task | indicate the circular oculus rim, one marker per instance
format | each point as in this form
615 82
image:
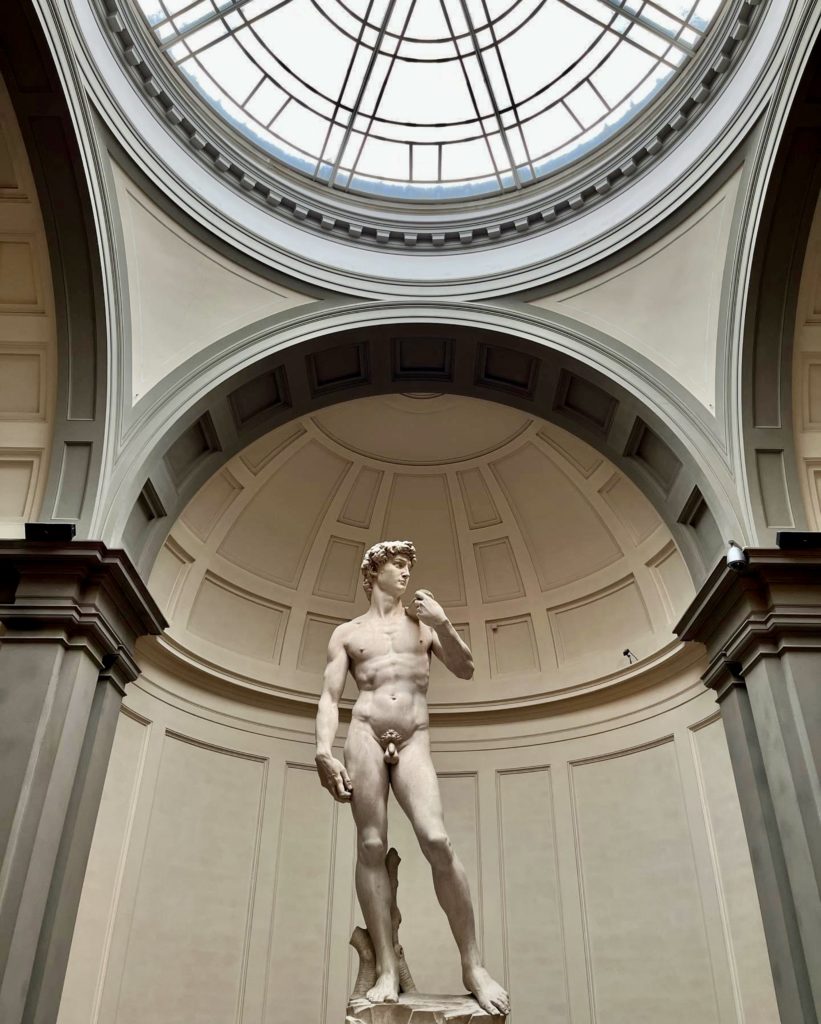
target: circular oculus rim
412 223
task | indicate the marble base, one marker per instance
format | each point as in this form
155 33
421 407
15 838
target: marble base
416 1008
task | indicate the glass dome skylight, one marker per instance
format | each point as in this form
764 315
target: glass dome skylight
428 99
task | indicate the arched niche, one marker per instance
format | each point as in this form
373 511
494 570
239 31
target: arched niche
28 334
588 797
41 98
771 386
602 405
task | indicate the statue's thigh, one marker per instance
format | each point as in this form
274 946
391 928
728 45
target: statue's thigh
416 787
369 778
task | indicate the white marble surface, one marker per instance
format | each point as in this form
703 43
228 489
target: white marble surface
416 1008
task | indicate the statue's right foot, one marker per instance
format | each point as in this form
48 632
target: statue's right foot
489 993
386 989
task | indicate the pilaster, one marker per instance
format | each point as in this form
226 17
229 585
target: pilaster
762 630
71 615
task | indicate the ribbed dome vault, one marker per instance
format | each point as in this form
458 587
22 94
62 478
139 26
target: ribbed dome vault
549 561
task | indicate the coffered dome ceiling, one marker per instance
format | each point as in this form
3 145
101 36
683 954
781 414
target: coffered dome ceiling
548 560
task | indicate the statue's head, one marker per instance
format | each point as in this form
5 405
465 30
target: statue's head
379 555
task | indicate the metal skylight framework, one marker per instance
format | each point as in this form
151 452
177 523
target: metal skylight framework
428 99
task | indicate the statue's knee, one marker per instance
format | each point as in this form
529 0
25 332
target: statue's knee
372 848
437 848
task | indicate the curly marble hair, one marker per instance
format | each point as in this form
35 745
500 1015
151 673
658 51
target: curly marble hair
379 555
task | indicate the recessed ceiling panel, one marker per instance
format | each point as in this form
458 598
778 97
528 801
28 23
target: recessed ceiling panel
421 429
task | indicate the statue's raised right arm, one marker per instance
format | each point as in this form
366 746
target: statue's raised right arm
446 643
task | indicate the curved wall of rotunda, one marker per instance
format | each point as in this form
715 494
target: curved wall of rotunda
548 559
591 800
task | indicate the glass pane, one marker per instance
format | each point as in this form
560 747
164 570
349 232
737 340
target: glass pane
432 99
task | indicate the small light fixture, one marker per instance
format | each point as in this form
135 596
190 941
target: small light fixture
736 557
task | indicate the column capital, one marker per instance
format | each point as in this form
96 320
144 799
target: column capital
771 606
80 593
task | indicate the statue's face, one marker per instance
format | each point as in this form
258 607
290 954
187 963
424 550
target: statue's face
393 576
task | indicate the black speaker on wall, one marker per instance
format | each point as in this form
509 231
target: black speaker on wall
798 540
54 533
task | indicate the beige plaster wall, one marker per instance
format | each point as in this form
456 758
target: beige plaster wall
28 334
664 303
604 847
807 376
183 296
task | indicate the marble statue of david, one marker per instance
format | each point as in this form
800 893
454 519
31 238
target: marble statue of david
387 651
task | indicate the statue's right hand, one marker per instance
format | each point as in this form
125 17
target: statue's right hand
334 777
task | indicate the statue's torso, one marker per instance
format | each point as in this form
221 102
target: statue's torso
390 662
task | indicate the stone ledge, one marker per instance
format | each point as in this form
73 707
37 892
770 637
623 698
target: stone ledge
78 593
769 607
416 1008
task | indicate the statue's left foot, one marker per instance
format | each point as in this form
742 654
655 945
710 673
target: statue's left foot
386 989
489 993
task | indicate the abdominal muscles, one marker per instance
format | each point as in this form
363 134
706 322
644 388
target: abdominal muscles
392 693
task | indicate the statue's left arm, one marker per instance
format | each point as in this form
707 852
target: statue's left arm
446 643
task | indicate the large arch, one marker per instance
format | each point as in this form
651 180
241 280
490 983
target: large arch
356 351
790 168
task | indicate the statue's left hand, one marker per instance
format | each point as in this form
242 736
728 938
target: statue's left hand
427 609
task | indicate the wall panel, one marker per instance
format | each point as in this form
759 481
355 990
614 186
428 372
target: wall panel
646 940
296 988
187 949
531 903
18 474
612 619
100 903
231 617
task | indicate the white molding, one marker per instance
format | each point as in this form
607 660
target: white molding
514 262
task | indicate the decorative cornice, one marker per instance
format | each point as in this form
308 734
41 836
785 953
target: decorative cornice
77 593
448 225
516 261
179 662
772 606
